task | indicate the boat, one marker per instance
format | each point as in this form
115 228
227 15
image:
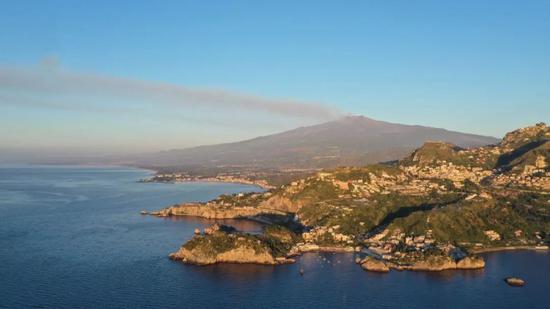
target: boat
514 281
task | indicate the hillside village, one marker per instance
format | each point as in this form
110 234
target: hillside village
428 211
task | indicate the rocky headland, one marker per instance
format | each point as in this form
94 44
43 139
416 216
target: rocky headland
224 244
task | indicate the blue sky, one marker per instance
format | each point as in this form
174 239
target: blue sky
472 66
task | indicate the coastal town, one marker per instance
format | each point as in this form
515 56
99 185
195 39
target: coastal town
183 177
432 210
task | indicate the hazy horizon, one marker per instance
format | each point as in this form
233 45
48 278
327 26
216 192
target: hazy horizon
79 155
106 78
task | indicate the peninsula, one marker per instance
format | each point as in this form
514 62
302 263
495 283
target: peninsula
430 211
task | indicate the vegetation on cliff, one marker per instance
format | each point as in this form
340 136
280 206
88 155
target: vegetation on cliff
225 244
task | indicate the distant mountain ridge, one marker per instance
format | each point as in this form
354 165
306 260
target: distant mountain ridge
351 141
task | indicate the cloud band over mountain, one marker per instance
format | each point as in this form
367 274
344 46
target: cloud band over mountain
63 85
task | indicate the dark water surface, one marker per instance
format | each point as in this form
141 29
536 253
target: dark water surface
73 237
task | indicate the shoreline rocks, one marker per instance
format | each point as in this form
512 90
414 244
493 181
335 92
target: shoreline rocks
432 263
208 212
240 255
372 264
471 262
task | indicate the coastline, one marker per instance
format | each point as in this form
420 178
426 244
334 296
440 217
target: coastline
212 181
511 248
205 180
159 273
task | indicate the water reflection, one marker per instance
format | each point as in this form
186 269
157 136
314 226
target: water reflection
451 275
244 225
234 272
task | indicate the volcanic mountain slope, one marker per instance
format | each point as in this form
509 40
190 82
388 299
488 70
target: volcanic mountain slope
350 141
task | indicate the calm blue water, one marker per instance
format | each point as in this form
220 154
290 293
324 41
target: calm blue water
73 237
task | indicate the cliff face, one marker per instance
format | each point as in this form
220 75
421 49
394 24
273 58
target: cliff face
470 262
209 212
277 205
432 263
439 263
240 254
375 265
435 263
282 204
524 136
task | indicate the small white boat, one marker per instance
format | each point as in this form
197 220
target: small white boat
513 281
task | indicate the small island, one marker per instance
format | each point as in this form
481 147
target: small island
224 244
433 210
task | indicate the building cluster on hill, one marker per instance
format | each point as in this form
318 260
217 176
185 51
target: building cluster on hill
244 178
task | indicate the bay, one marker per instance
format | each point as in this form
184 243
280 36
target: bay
72 237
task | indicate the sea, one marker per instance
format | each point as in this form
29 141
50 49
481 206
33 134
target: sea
73 237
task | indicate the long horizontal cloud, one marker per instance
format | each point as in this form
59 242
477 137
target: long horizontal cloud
66 83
